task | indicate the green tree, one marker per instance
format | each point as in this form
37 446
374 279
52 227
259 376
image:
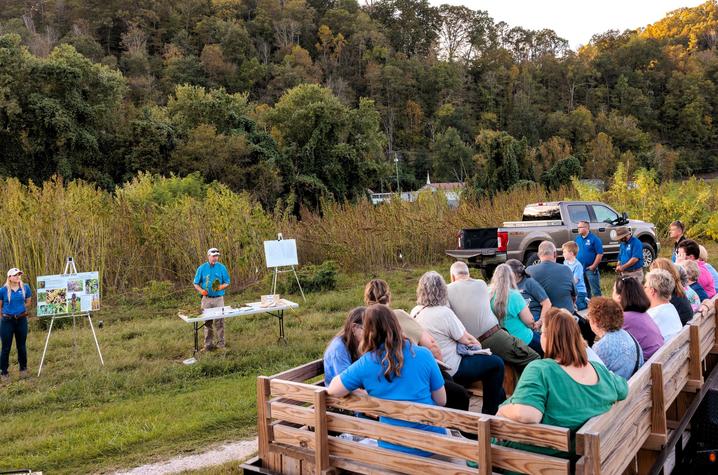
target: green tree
562 173
54 113
451 157
331 150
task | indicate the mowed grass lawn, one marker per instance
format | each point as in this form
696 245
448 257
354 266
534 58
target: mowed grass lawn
145 405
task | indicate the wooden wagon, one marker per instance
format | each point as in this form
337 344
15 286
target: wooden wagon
302 430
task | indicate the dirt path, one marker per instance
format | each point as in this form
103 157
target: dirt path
217 456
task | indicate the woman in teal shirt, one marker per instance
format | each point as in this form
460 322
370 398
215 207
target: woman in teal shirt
511 309
564 389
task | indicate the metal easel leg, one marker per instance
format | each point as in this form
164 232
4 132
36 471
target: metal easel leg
47 340
274 281
97 344
298 284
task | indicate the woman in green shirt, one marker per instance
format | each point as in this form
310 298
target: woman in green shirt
564 389
511 309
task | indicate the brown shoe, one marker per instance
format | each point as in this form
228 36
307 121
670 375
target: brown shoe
23 374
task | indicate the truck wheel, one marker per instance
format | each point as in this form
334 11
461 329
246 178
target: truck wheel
649 254
531 259
488 271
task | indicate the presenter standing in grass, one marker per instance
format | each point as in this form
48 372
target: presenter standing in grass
210 280
15 298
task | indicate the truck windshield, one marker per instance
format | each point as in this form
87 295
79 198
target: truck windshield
541 213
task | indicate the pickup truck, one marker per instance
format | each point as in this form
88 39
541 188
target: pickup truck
557 222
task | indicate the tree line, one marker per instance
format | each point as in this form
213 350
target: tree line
301 100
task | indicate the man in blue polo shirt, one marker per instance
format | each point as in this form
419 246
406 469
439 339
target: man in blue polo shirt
590 254
630 254
210 280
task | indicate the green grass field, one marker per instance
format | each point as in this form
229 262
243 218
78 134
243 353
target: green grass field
145 405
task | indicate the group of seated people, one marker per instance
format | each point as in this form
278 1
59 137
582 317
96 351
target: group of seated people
571 368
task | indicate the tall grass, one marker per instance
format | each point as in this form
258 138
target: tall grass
150 229
363 236
158 229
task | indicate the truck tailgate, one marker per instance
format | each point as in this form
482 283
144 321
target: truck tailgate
469 253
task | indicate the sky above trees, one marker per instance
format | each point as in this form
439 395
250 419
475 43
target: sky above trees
575 20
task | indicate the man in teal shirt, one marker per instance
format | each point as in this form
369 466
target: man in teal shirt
210 280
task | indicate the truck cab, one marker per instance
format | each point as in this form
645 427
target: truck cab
557 222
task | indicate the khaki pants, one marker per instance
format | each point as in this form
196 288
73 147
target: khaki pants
211 325
510 349
634 274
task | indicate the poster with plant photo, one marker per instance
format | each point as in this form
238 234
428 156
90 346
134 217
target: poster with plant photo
68 294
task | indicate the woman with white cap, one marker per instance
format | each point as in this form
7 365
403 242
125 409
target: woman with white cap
15 298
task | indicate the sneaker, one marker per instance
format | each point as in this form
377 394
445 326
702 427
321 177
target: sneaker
23 374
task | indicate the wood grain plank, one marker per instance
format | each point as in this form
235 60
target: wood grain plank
534 434
321 434
484 441
262 417
301 373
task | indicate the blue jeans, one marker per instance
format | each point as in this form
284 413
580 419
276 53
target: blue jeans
535 344
581 303
10 327
489 369
593 282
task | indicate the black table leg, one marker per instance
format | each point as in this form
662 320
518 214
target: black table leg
280 317
196 338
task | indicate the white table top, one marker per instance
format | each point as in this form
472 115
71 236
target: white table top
250 309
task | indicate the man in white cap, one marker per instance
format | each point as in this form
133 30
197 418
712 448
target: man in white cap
210 280
630 254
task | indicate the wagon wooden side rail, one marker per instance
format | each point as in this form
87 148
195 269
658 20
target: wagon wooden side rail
633 434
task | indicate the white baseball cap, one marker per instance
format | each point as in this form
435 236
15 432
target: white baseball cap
213 251
14 271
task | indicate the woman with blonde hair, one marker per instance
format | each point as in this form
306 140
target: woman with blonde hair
679 298
564 389
511 309
434 315
15 298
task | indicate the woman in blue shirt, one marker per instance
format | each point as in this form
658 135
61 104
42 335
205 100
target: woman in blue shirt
15 298
343 350
392 368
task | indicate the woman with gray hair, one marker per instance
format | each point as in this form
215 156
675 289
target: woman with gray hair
435 316
659 288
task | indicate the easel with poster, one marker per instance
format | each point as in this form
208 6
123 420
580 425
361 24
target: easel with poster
70 294
280 254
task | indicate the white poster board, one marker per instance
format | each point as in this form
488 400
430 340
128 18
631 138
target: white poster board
65 294
281 253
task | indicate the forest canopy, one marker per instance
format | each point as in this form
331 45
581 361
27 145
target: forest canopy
319 99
